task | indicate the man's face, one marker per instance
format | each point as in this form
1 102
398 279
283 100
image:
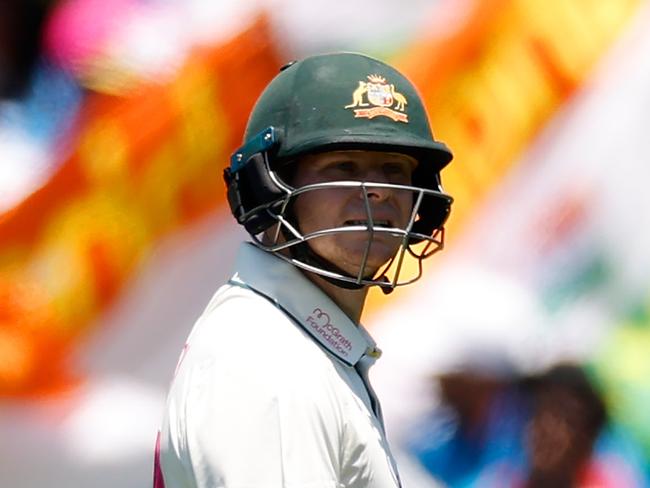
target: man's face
339 207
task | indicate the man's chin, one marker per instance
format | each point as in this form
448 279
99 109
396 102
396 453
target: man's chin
376 260
348 254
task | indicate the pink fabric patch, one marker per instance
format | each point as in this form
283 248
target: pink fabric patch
78 30
158 480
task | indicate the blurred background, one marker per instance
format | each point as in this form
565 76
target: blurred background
522 356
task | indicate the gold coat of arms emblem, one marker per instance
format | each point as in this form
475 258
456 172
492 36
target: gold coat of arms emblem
380 97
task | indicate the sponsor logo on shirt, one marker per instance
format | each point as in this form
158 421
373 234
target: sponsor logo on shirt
321 323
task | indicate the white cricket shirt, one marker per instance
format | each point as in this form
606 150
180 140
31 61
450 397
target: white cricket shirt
268 391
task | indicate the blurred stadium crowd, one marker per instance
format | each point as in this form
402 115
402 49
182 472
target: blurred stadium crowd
495 428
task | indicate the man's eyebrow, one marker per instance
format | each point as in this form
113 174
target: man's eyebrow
412 163
341 159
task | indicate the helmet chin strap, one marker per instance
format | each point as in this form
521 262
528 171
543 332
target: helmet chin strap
303 252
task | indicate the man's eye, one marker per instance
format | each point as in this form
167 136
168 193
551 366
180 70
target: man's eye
394 168
345 167
397 170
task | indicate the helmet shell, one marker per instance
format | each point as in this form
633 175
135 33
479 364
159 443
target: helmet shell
346 101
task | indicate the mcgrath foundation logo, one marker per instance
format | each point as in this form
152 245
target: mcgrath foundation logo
380 97
321 323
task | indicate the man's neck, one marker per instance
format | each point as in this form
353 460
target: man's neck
350 301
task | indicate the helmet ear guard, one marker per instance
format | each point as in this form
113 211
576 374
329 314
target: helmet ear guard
432 212
251 187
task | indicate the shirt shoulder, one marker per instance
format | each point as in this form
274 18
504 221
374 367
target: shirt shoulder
254 381
239 325
245 342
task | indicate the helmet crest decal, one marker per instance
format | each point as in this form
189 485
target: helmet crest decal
381 98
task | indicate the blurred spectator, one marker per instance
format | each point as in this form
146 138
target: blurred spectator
568 441
567 417
547 430
474 437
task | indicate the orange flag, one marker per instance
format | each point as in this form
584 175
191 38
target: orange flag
143 165
493 79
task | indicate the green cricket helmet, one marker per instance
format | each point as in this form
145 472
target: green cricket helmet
335 102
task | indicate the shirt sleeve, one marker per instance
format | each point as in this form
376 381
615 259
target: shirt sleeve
251 414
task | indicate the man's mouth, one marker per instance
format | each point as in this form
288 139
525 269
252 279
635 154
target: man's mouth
366 223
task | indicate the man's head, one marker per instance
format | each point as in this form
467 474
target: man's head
567 418
340 169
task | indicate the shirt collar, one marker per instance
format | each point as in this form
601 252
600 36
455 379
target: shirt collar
290 290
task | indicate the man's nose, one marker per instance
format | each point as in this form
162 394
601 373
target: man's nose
374 192
377 193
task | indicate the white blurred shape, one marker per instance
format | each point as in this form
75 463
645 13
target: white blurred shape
489 290
215 20
151 42
19 180
114 420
